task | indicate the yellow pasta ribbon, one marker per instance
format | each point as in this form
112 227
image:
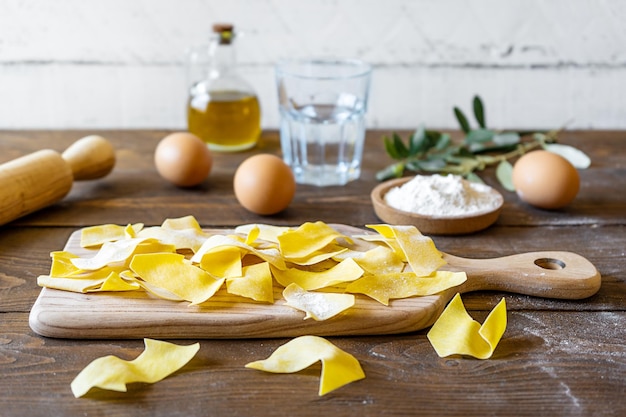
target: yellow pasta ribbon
94 236
62 265
222 262
347 270
157 361
182 223
171 272
271 255
456 333
307 239
338 367
179 238
153 246
316 257
110 282
382 288
256 283
264 232
130 276
379 260
418 250
109 253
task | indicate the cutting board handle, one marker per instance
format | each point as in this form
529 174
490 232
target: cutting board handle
564 275
90 157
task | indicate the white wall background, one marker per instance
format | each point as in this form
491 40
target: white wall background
120 63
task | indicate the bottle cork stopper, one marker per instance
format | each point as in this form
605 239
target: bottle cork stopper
225 31
223 27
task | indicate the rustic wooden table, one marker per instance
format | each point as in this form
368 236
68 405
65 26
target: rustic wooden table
556 358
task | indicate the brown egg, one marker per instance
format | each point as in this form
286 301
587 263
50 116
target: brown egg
183 159
545 180
264 184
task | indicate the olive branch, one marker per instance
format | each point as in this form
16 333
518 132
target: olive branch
434 151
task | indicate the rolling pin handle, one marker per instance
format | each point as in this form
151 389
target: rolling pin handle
90 157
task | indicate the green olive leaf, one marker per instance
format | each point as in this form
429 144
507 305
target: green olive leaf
575 156
399 146
390 148
479 112
506 139
463 151
460 117
414 165
479 148
479 136
418 142
432 165
504 173
442 142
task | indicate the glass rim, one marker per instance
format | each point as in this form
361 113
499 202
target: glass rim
287 67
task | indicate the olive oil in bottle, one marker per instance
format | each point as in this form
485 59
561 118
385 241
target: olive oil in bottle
223 109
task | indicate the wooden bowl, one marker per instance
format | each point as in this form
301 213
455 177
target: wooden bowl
433 225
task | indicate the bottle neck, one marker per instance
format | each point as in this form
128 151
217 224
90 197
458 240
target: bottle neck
223 59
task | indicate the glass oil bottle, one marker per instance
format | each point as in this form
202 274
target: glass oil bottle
222 108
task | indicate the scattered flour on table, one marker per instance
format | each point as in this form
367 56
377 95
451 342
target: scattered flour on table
440 195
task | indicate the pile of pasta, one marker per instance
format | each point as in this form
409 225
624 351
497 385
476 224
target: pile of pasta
318 268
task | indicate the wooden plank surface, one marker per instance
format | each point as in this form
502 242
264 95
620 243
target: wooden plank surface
134 192
557 357
563 364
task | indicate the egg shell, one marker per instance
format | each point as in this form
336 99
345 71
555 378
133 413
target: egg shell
545 180
264 184
183 159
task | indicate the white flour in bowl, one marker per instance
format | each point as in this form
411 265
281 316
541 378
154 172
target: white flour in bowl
439 195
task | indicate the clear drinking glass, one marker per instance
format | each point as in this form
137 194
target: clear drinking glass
322 104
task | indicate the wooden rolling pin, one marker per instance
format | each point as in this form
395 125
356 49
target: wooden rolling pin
37 180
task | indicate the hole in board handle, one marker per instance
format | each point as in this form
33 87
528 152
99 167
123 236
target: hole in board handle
550 263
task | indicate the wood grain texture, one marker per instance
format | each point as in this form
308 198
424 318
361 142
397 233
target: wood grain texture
547 364
557 357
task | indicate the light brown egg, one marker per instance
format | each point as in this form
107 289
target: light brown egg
183 159
264 184
545 180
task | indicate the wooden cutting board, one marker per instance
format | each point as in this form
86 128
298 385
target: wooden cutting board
137 314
